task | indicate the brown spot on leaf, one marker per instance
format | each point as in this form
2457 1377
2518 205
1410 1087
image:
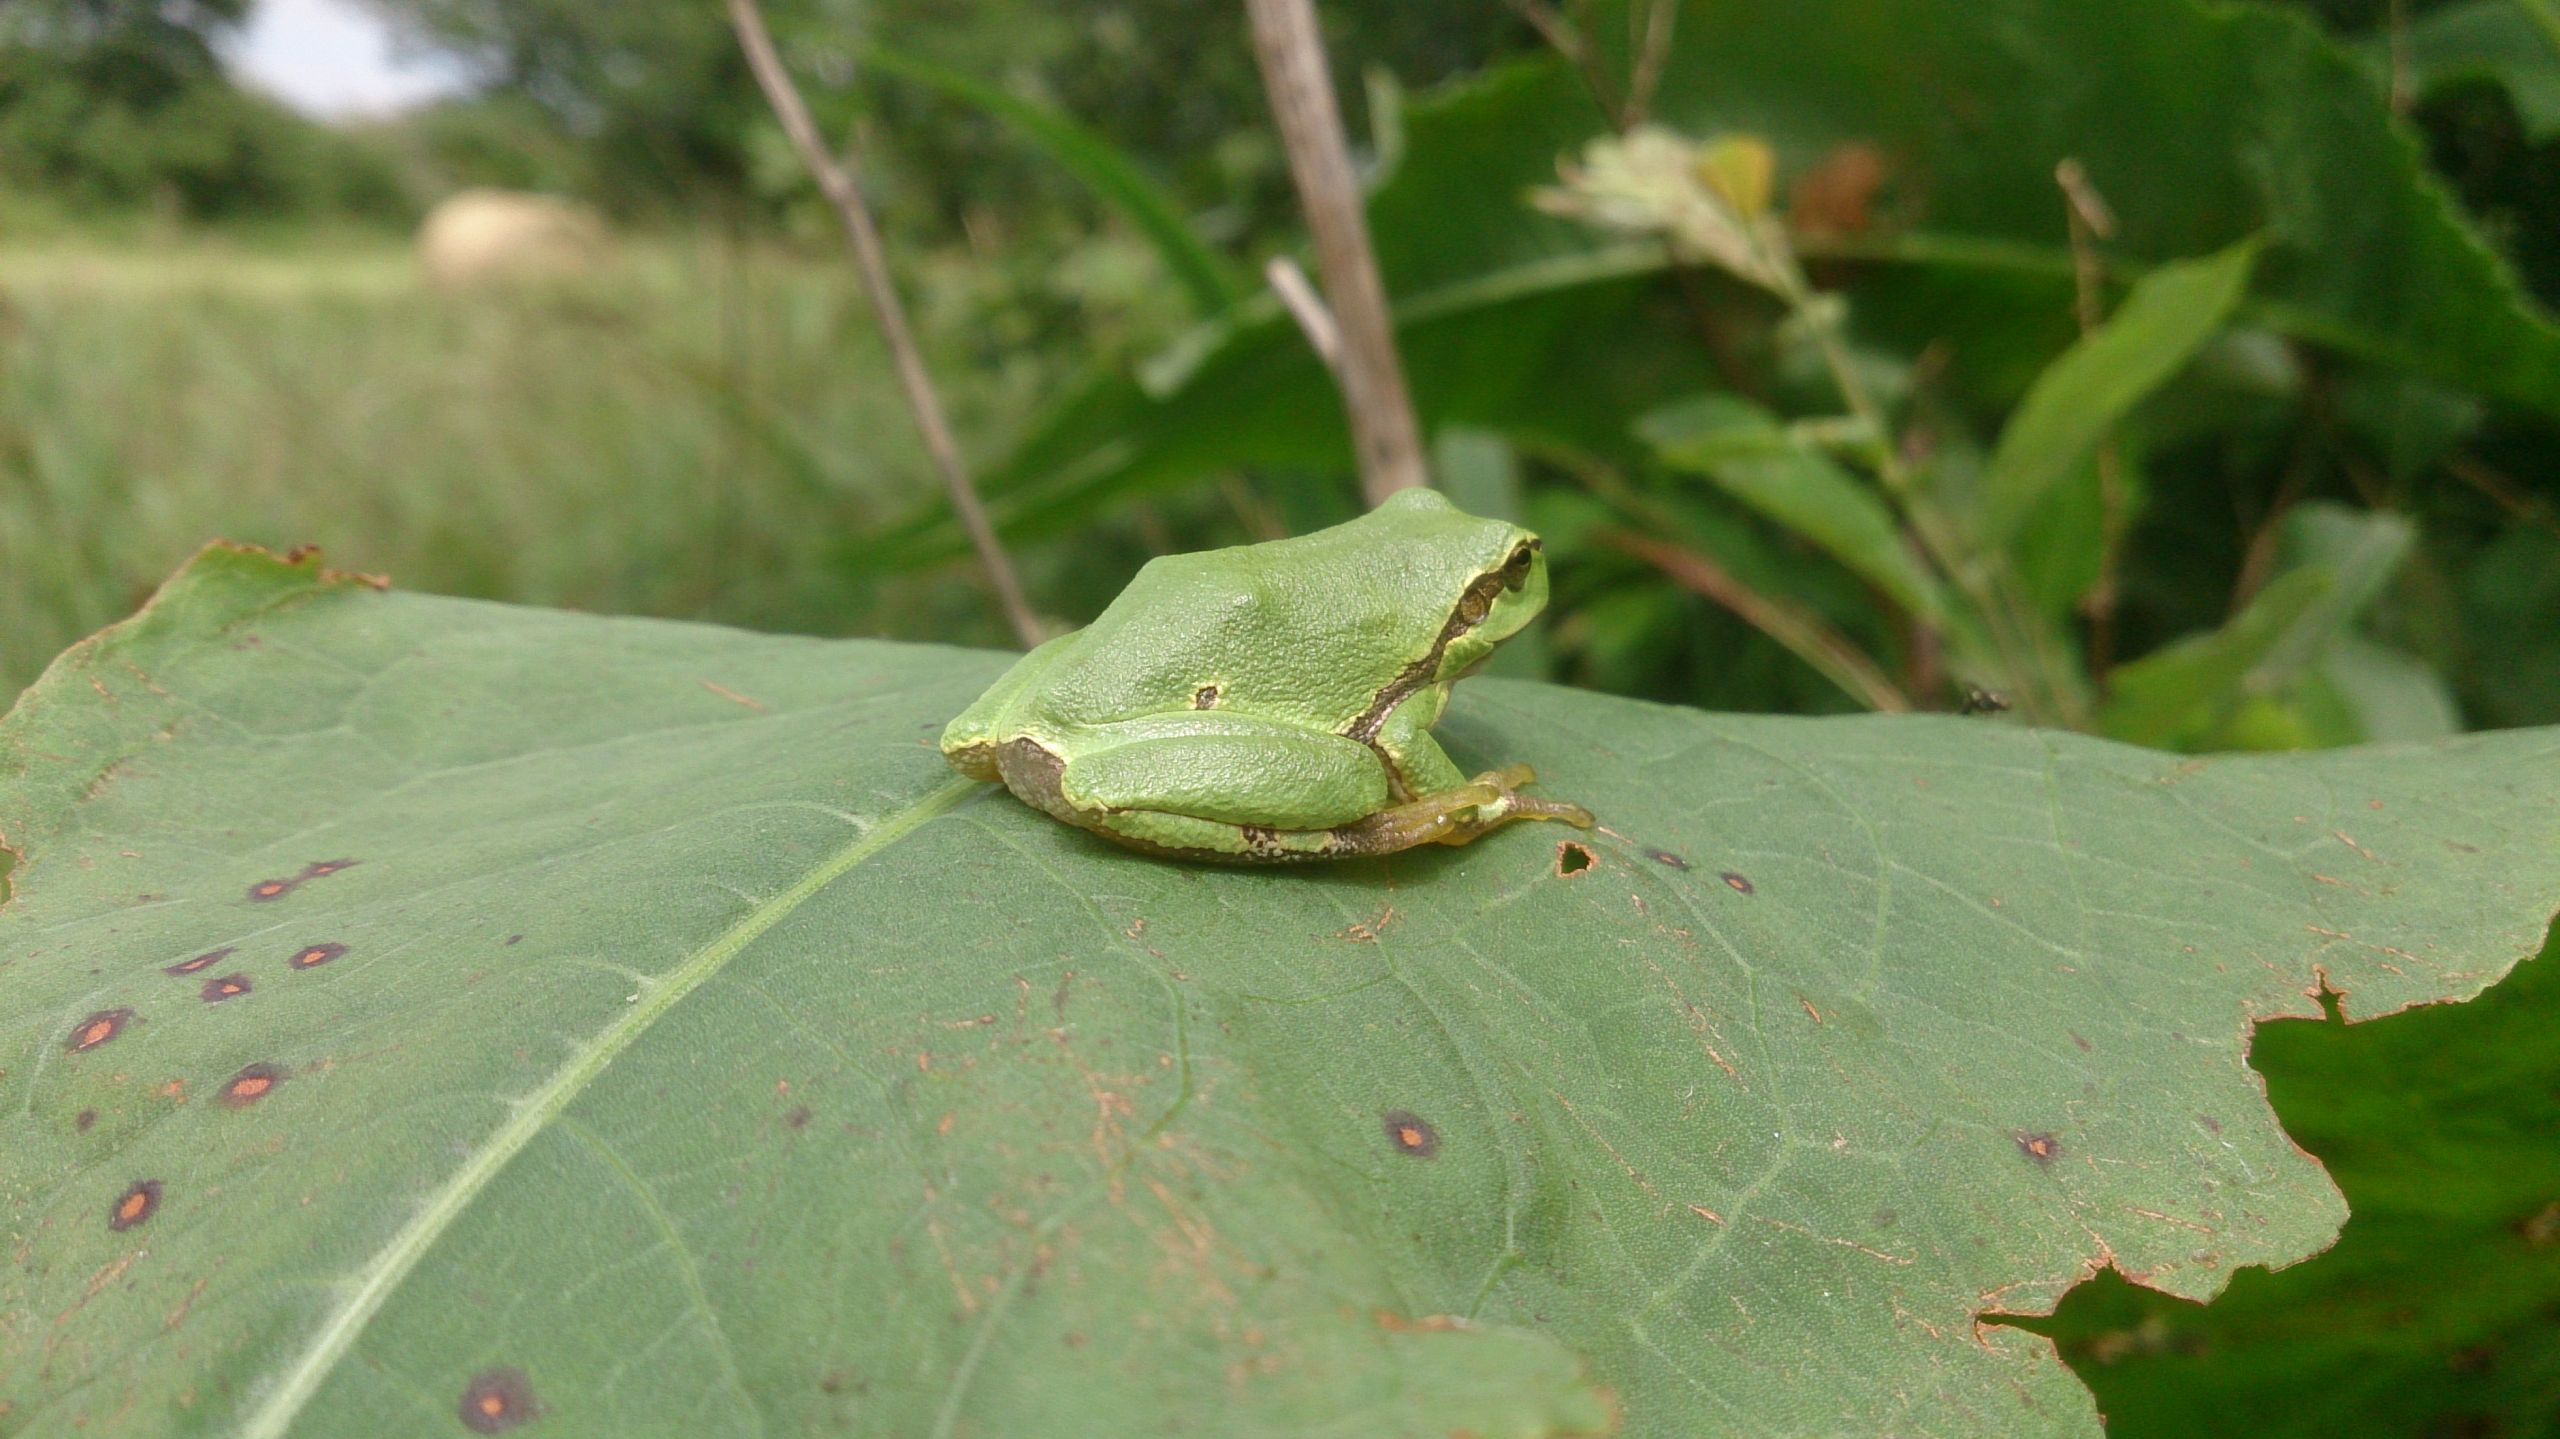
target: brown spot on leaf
498 1400
515 939
1664 856
1411 1133
2078 1040
2042 1148
267 889
136 1204
251 1085
229 986
798 1118
314 956
1572 859
1737 882
98 1028
202 961
84 1119
1205 697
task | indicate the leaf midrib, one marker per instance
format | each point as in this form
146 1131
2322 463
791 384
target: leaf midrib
382 1274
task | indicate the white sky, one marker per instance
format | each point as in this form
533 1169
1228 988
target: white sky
333 58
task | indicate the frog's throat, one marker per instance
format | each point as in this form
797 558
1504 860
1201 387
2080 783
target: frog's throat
1364 727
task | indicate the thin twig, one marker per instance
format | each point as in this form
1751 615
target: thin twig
2090 221
1559 32
1653 52
836 180
2515 499
2396 32
1290 48
1802 632
1298 296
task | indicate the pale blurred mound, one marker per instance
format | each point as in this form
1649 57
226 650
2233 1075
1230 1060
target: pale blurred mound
478 239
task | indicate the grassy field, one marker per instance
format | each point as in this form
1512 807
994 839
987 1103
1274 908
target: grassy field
700 430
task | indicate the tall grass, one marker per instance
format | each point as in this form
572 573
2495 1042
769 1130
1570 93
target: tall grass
701 430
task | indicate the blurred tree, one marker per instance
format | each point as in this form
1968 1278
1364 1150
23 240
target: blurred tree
659 93
656 93
107 103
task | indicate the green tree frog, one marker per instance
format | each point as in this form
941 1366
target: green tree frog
1273 702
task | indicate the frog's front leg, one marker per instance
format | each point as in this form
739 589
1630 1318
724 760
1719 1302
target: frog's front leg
1437 803
1416 765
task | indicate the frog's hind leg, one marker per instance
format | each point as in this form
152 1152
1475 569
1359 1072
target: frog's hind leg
1223 788
1456 816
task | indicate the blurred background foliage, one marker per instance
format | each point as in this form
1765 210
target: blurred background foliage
2179 371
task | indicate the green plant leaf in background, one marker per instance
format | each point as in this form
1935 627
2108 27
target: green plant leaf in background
2096 383
1783 476
1101 166
426 1016
2202 125
2290 669
2493 38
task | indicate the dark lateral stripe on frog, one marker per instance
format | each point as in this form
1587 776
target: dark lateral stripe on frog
1422 671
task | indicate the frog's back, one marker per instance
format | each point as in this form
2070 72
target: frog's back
1306 628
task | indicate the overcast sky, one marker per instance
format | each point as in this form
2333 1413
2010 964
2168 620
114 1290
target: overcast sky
333 58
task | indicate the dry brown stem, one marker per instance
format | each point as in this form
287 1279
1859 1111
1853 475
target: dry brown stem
837 182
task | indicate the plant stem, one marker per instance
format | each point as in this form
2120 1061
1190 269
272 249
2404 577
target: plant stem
870 257
2090 220
1298 296
1290 48
1568 41
1798 629
1652 53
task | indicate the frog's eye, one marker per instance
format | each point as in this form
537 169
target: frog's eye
1521 557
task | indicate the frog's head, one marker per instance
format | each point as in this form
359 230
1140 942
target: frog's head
1491 573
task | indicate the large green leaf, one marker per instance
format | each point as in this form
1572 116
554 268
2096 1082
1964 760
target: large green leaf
2201 124
2438 1127
422 1014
